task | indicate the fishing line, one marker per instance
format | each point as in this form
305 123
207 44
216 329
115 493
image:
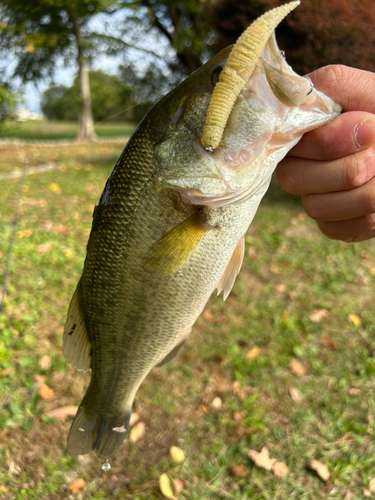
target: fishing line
131 107
15 220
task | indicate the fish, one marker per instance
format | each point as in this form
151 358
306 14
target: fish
170 227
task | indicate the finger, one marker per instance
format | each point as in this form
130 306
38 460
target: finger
341 205
353 89
347 134
348 230
363 237
301 176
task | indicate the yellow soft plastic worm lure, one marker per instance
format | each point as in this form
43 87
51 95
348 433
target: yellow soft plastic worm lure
237 71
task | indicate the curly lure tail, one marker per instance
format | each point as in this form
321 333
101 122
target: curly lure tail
237 71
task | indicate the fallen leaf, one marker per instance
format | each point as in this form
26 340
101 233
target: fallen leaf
176 454
178 485
77 485
320 468
239 471
24 234
280 469
137 432
353 391
318 315
372 485
354 319
252 353
372 271
44 247
280 288
216 403
46 392
133 419
45 362
239 415
297 368
203 409
165 486
62 412
296 394
207 315
328 341
262 459
55 188
367 493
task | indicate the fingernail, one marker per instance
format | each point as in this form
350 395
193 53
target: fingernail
364 133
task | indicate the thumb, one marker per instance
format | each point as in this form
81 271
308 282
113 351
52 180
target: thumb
353 89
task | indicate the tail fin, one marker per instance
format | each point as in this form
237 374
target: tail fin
96 431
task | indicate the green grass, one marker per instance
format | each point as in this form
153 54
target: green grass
289 271
53 130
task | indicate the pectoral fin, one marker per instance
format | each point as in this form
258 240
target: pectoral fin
170 253
76 343
233 268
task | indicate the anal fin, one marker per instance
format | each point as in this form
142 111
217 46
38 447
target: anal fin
76 342
233 268
170 253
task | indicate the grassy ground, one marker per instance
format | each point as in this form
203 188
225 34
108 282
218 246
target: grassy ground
47 130
324 410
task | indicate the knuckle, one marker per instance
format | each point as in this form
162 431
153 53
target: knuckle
358 168
310 206
369 199
331 75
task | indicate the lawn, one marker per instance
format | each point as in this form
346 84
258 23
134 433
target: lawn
54 130
287 362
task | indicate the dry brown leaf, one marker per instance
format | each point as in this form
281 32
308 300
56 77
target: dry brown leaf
165 486
133 419
239 415
176 454
297 367
137 432
45 362
44 247
203 409
354 319
216 403
296 394
77 485
262 459
239 471
280 469
372 485
46 392
280 288
353 391
328 341
320 468
62 412
252 353
207 315
318 315
367 493
178 485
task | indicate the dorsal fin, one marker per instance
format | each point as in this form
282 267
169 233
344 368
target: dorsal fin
233 268
76 342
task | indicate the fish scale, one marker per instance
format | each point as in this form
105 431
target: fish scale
169 229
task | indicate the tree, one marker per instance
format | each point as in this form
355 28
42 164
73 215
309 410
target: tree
8 101
109 97
314 35
41 31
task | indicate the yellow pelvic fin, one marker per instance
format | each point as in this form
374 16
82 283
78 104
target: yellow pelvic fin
233 268
170 253
76 342
237 70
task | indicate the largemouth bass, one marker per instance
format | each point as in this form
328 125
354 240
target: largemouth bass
169 228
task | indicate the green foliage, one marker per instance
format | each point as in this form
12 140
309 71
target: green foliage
8 101
109 96
40 31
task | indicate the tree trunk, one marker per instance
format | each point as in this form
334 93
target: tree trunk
85 119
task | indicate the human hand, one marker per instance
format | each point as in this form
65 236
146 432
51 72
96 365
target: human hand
333 167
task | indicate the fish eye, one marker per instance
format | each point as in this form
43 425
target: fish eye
215 75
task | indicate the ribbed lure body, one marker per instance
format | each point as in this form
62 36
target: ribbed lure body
237 71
